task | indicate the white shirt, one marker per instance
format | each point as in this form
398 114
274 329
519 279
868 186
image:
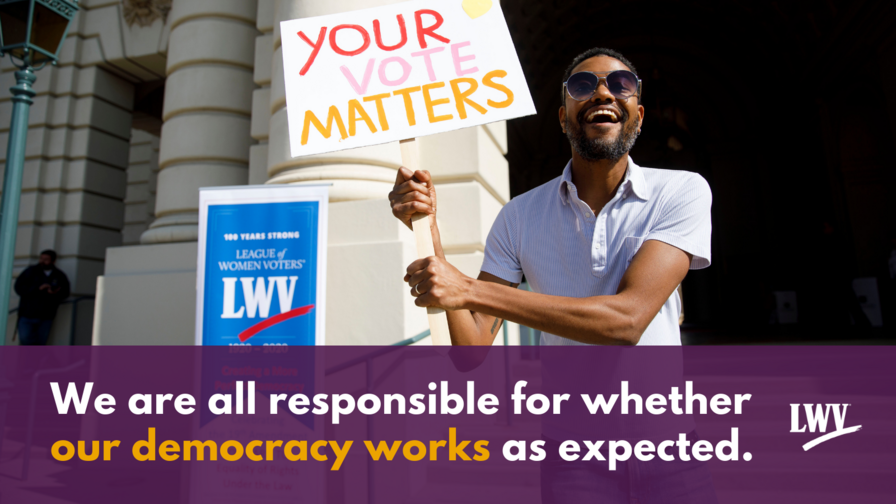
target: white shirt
554 238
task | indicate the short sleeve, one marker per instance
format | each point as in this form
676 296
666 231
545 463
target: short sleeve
685 220
501 257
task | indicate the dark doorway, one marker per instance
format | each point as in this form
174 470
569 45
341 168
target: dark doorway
149 101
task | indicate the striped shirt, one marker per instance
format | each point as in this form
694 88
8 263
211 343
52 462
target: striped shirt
554 238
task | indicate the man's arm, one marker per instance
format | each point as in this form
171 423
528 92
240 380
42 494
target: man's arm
619 319
469 327
413 193
64 288
476 308
25 284
19 286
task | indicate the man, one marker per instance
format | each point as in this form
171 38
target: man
603 246
41 289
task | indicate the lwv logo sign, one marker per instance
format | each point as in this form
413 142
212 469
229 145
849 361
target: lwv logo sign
816 418
257 296
257 299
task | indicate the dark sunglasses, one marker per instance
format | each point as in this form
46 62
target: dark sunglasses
621 83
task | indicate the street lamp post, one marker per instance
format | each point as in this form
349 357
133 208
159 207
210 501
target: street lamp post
31 32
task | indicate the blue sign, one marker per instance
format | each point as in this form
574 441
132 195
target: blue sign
260 266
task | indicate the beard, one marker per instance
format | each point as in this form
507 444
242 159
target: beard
597 149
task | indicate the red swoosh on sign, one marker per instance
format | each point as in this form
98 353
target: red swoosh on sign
276 319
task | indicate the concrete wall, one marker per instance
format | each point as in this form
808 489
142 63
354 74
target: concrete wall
148 292
74 179
148 296
77 155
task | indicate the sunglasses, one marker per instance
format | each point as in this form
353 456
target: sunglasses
621 83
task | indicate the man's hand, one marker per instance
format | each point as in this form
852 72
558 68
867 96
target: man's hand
413 193
45 287
435 282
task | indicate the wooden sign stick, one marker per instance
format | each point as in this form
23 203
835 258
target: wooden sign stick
438 319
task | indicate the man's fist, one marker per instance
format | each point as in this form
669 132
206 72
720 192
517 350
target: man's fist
435 282
413 193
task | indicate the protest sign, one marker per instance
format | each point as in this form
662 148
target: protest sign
261 276
397 72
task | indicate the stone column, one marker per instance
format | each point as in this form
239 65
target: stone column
208 104
205 142
261 97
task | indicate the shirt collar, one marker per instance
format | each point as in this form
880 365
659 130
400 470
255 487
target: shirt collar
634 177
566 183
633 180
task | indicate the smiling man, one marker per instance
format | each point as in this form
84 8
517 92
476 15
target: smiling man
603 246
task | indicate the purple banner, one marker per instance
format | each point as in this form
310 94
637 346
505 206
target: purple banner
412 424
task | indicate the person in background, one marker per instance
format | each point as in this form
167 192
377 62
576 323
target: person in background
41 289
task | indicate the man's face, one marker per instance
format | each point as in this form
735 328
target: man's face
45 260
597 136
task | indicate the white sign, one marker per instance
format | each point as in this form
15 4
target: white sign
399 71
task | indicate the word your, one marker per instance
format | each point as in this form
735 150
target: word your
817 421
463 98
360 31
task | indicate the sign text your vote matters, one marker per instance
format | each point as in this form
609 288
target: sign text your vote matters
464 93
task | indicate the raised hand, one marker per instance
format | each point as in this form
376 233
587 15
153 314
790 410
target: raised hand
413 193
435 282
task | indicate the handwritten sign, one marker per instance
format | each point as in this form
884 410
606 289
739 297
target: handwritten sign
399 71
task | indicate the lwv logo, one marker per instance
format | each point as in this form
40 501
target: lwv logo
258 298
817 416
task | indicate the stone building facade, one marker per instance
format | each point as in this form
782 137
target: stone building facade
113 170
